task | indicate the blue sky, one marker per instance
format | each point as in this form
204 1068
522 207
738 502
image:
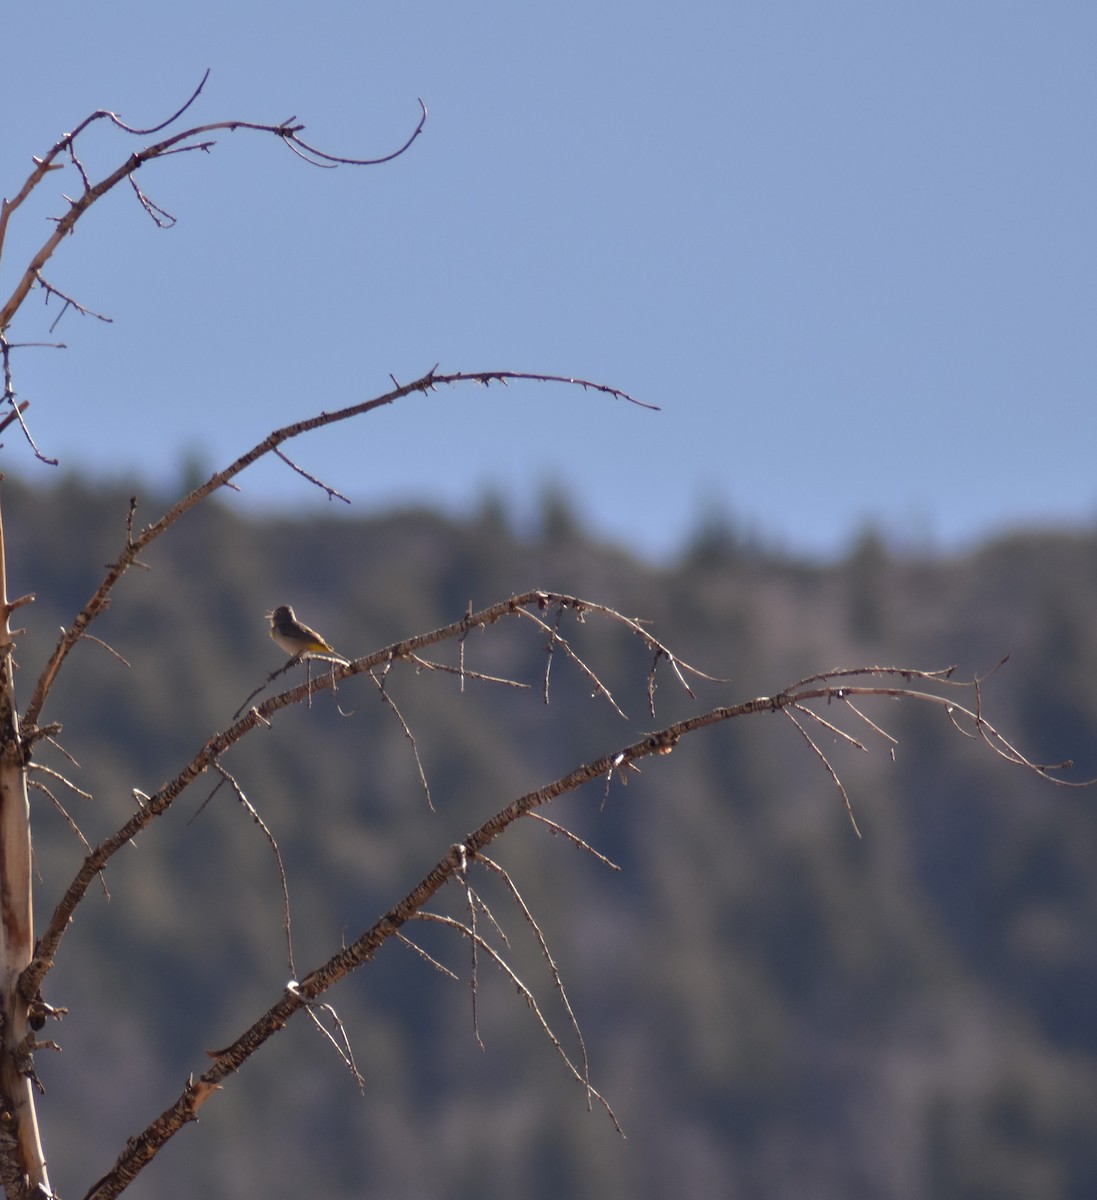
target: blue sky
848 248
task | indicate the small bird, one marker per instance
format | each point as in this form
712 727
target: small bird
294 637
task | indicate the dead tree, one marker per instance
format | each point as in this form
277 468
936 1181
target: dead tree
27 959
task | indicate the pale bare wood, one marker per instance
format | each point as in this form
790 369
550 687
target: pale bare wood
22 1162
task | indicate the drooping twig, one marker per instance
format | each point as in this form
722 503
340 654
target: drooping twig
550 647
17 408
395 708
62 779
160 217
427 664
841 733
558 982
39 786
90 637
332 493
531 1003
69 302
402 937
340 1043
871 724
461 647
475 940
574 838
826 763
294 142
555 639
287 923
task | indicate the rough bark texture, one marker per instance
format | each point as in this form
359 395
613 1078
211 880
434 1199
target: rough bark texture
22 1165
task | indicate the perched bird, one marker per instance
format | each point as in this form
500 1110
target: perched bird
294 637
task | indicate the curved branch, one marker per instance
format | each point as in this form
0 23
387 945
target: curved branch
288 132
141 1149
134 545
260 717
337 160
117 120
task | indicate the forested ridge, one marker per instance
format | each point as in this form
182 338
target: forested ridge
772 1006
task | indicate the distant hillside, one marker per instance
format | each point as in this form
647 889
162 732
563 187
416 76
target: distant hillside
774 1008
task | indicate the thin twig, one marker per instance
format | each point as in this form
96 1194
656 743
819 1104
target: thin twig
69 302
427 664
37 766
160 217
90 637
531 1003
117 120
292 140
387 698
332 493
830 770
341 1044
287 924
550 647
38 785
870 723
475 941
542 943
555 639
461 647
832 727
424 955
574 838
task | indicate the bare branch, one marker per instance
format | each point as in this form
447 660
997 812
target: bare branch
826 763
186 140
96 604
871 724
659 743
14 416
531 1002
550 648
293 141
558 982
90 637
142 1148
39 786
160 217
163 124
18 409
424 955
474 941
341 1043
37 766
427 665
556 640
42 168
381 688
287 923
832 727
574 838
332 493
50 290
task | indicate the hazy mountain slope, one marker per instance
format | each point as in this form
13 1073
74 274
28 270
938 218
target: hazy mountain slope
773 1007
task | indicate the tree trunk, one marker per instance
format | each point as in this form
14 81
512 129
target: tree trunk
22 1165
